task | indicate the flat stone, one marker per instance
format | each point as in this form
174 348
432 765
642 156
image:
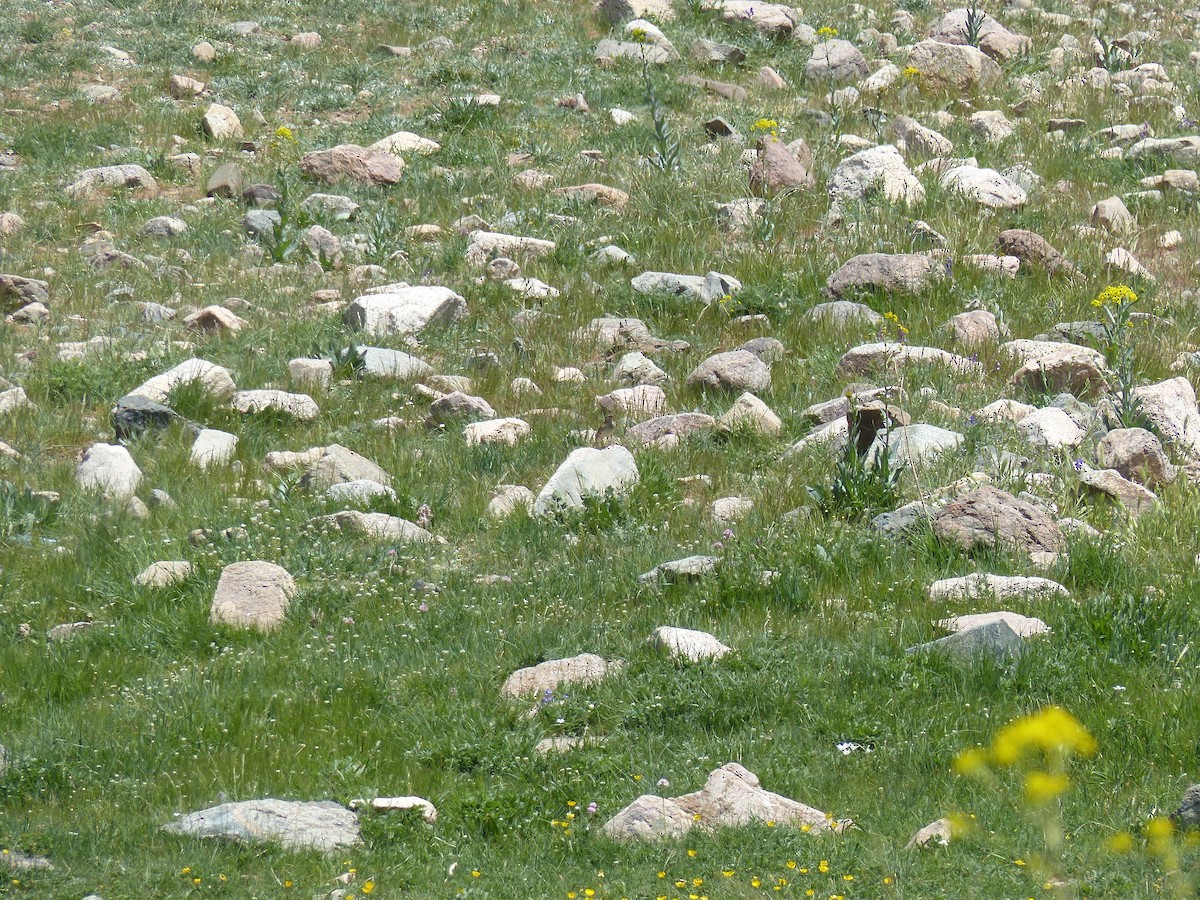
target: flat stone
335 464
1024 626
987 517
690 568
893 357
324 826
685 643
995 639
301 407
1137 455
668 430
902 273
1002 588
947 67
508 499
164 574
354 163
1050 429
214 381
130 177
505 431
1134 497
221 123
376 526
587 472
935 834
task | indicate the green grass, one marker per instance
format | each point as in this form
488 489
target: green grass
378 684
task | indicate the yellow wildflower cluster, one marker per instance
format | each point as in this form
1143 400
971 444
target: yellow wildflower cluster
638 35
1115 295
827 32
1052 733
911 72
284 133
766 125
895 320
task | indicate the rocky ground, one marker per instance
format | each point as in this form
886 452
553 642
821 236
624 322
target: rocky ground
643 449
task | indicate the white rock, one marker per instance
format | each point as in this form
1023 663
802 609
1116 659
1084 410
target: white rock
400 309
685 643
215 382
985 186
110 470
213 448
1024 626
587 472
506 431
1050 429
163 574
301 407
979 585
252 594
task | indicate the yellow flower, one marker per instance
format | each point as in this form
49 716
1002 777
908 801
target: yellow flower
1018 862
827 32
791 864
765 125
662 874
1052 730
823 866
571 895
911 72
971 762
728 873
1115 295
887 879
589 892
680 883
475 873
285 133
1121 842
755 882
287 884
368 886
187 870
639 35
847 877
1042 787
692 853
696 882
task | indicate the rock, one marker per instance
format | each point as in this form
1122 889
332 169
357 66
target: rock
134 415
213 448
181 87
14 399
295 825
457 406
995 587
314 374
394 804
486 245
710 288
877 168
947 67
164 574
108 469
383 363
307 40
690 568
301 407
751 413
738 370
920 140
666 431
377 526
507 431
995 639
215 318
1188 813
204 52
336 464
1033 250
1182 150
835 61
1137 455
125 176
976 328
986 187
1129 494
887 272
892 357
333 207
710 53
600 194
1170 409
993 38
1050 429
587 668
253 594
1004 410
210 379
730 509
616 11
843 314
350 161
731 797
1024 626
608 51
912 445
732 92
226 181
637 368
934 834
639 403
991 125
684 643
988 517
16 291
776 169
164 227
406 142
1053 367
611 333
1114 216
770 19
400 309
587 472
221 123
508 499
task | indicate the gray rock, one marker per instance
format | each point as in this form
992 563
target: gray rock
360 490
125 176
876 168
637 368
914 445
587 472
164 227
992 38
893 357
842 314
1053 366
668 428
457 406
354 163
295 825
1134 497
1033 250
221 123
214 381
400 309
331 206
301 407
225 182
1171 410
835 61
996 640
934 834
946 67
1024 626
979 585
376 526
213 448
986 187
708 52
134 415
690 568
261 222
920 140
252 594
736 370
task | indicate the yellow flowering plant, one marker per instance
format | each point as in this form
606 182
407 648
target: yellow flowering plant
1116 303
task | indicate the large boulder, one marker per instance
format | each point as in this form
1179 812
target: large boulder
994 39
881 168
1184 151
1137 455
987 517
1170 408
587 668
987 187
294 825
210 379
587 472
949 67
736 370
836 61
128 176
1055 367
17 291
